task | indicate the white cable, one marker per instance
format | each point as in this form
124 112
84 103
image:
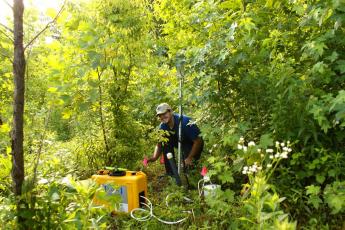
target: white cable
200 190
204 180
167 198
150 207
150 213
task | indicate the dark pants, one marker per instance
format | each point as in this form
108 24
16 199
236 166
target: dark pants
168 147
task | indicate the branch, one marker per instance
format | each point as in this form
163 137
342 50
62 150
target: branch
43 134
6 56
47 26
7 28
7 36
8 4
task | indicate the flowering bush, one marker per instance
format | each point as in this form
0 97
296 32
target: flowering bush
268 158
261 206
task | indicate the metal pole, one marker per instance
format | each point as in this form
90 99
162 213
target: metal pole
180 162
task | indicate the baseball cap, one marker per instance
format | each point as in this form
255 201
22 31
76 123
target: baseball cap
162 108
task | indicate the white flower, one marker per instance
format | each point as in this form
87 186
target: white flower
66 181
241 139
245 148
277 155
284 155
288 142
271 156
55 196
259 150
252 143
48 142
282 144
259 168
286 149
233 25
210 150
244 172
215 145
269 150
262 155
245 168
42 181
239 146
269 166
289 150
277 143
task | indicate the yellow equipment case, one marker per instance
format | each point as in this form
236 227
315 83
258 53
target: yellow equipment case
130 185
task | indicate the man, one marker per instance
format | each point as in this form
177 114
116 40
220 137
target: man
192 143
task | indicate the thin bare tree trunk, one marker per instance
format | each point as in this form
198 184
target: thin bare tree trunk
17 136
101 110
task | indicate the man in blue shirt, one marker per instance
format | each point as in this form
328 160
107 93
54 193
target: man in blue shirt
192 143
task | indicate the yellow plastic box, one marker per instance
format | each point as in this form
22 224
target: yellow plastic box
130 185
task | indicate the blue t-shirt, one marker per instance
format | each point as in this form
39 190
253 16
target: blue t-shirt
190 132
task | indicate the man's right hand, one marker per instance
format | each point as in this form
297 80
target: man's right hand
150 159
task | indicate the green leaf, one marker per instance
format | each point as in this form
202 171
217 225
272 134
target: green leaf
66 98
335 196
67 114
313 190
51 12
229 195
5 128
52 89
341 66
334 56
319 67
315 201
266 140
226 177
335 202
320 178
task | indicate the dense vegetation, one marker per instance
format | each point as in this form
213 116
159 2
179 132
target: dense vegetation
264 80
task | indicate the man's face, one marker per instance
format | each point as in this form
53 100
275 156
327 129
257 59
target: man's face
165 117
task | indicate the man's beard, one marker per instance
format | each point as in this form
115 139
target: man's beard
165 121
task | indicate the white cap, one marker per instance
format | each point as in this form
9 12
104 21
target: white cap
162 108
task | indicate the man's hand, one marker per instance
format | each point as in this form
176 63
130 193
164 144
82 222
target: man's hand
145 161
188 161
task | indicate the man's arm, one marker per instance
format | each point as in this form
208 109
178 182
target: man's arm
197 144
156 153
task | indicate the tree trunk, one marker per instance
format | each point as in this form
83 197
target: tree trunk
101 110
17 136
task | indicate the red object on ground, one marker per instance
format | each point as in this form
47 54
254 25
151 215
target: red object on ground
203 171
162 159
145 162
